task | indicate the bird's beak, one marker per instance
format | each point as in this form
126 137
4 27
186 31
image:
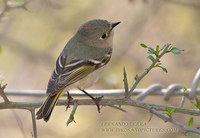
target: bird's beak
115 24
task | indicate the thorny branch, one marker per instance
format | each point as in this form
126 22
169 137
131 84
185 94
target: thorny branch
173 121
104 102
153 108
139 78
9 105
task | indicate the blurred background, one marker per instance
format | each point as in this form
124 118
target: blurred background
32 37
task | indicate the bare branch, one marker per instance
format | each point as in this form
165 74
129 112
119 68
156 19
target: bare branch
104 102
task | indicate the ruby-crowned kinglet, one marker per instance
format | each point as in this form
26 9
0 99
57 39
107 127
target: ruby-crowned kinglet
80 63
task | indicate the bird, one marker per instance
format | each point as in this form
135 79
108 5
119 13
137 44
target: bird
81 62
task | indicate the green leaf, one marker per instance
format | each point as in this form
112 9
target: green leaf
151 58
172 111
185 90
157 48
163 47
158 64
176 50
164 69
168 110
143 45
150 50
190 122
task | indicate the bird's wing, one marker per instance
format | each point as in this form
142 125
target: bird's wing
67 74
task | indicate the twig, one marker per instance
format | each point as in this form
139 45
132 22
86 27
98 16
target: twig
71 117
108 102
3 94
182 100
33 122
169 119
125 83
147 70
7 102
104 102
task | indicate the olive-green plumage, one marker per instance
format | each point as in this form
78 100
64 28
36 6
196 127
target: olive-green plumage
80 63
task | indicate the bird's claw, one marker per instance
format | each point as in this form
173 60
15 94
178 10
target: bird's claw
69 98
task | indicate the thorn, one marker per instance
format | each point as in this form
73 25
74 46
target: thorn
151 115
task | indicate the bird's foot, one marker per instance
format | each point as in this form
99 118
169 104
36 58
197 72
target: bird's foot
69 98
96 99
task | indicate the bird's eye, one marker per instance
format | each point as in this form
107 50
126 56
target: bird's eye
103 36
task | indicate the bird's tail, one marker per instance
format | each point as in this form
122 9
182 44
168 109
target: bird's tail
48 106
